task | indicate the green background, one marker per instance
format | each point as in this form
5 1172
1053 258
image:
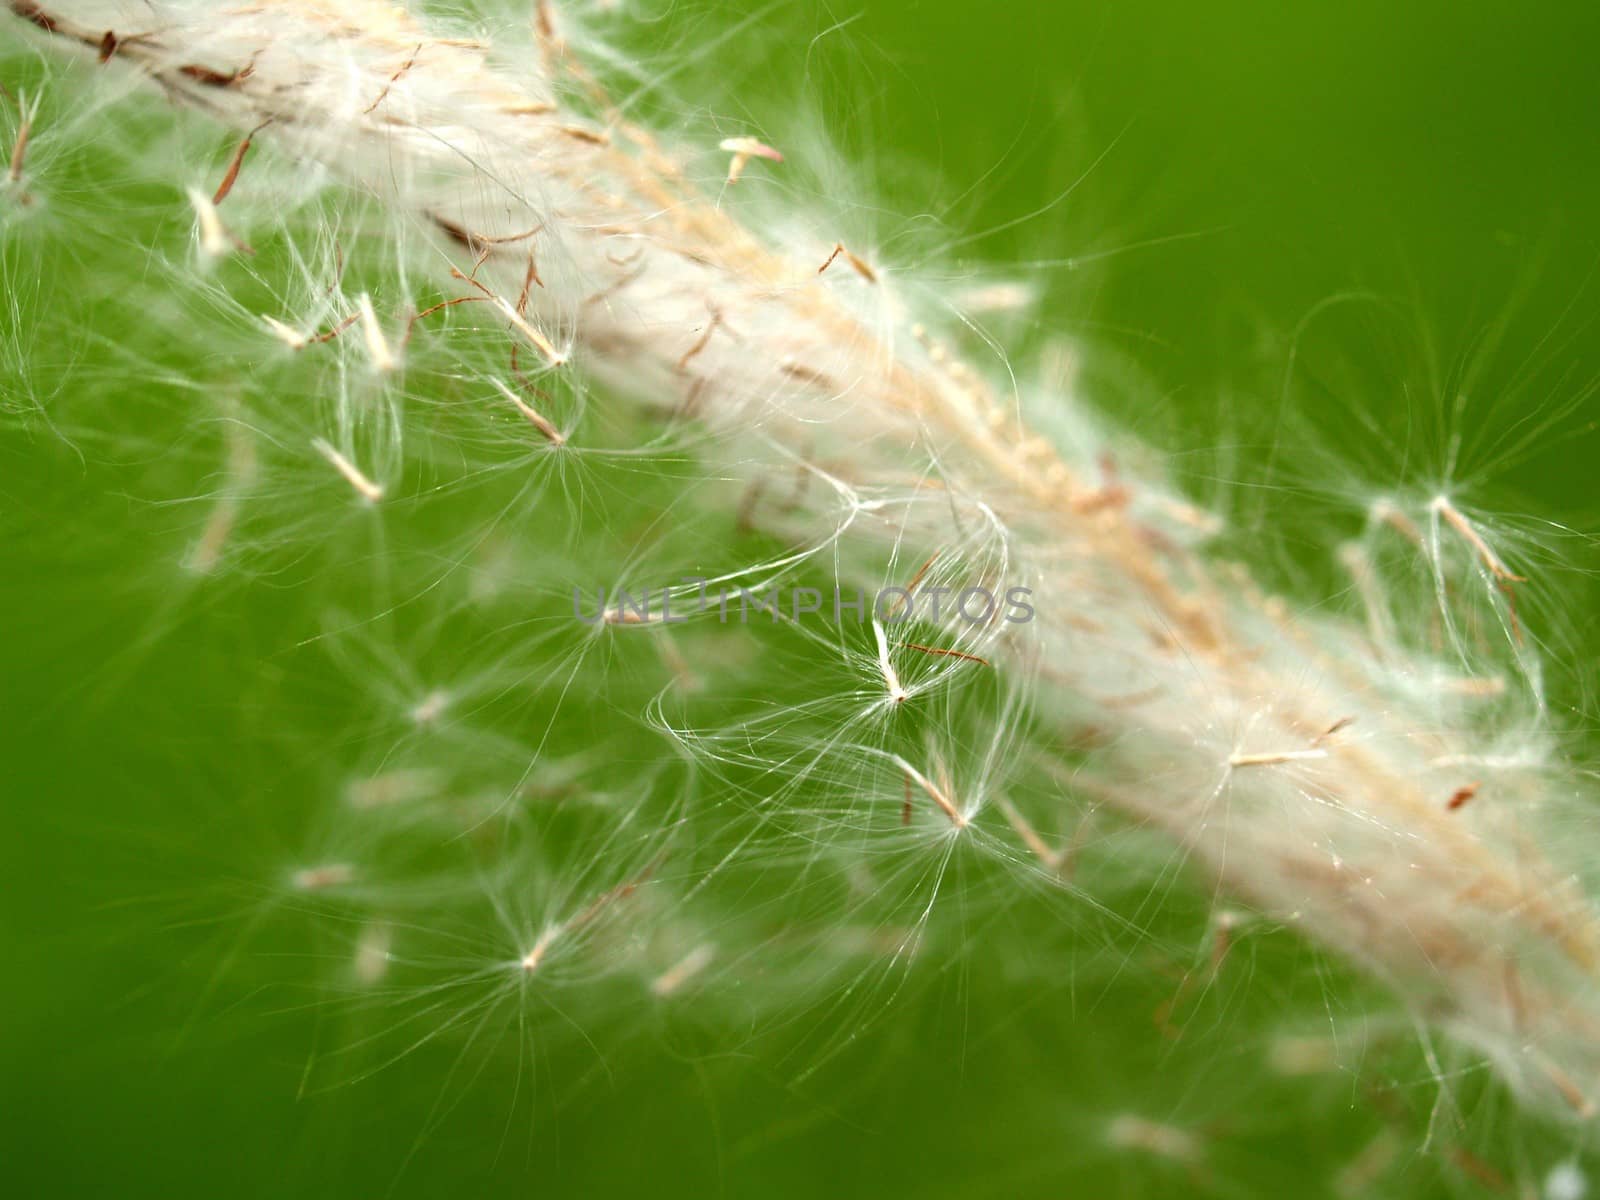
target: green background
1240 166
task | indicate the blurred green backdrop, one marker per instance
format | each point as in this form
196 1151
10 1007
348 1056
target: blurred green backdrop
1245 163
